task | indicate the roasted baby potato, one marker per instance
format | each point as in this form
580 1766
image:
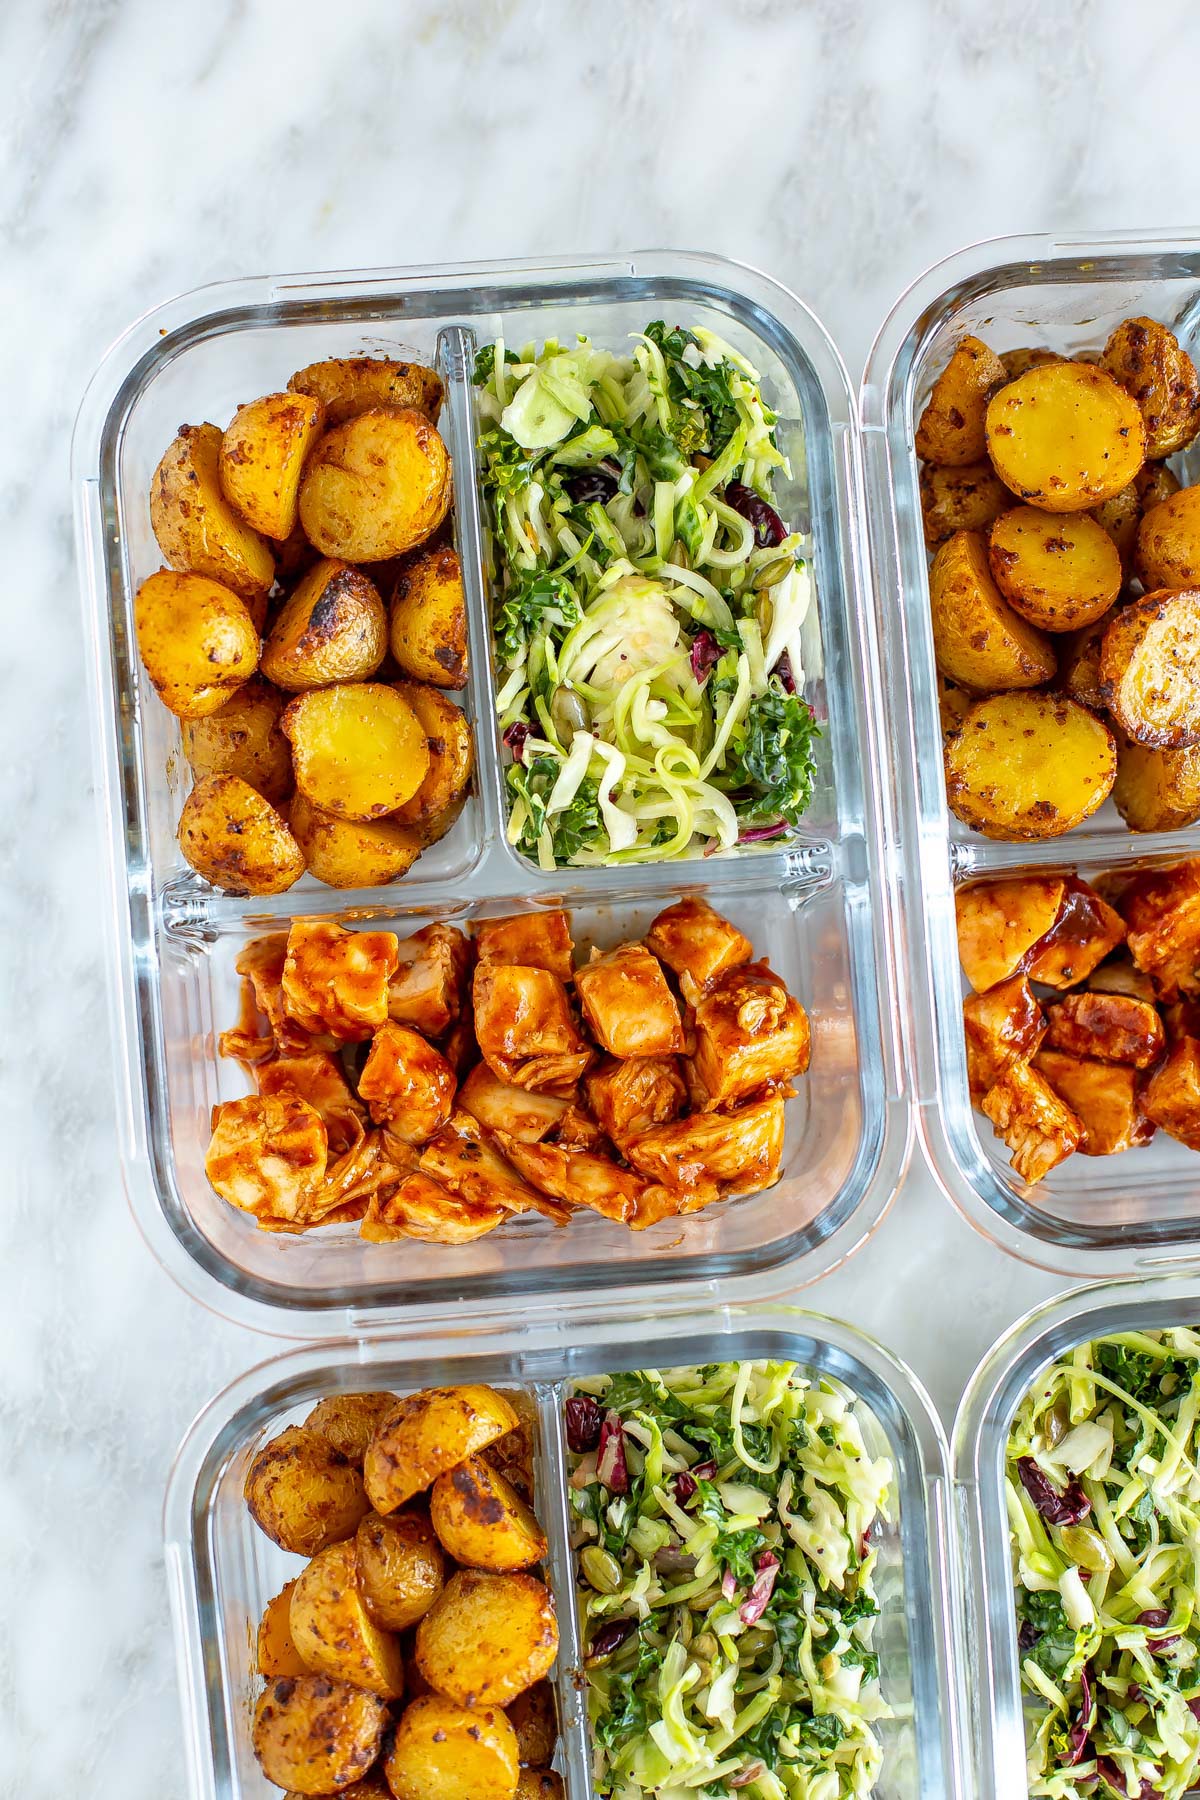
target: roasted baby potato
333 1631
303 1493
243 738
1038 1127
1029 766
1154 483
966 499
376 486
487 1637
951 428
262 458
275 1647
332 628
448 742
1103 1097
316 1736
978 640
1150 669
350 1421
428 1433
482 1521
1000 922
1172 1095
194 523
1168 545
197 640
1157 790
1153 367
401 1569
446 1752
1079 663
428 633
347 385
539 1784
1120 518
358 748
534 1717
348 853
1064 437
1060 571
236 839
1027 356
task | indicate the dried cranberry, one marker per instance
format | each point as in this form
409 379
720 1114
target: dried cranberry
589 485
584 1420
704 1471
1153 1615
1193 1703
705 652
1160 1646
1067 1508
610 1637
1027 1637
611 1466
768 526
1135 1692
783 668
515 737
685 1486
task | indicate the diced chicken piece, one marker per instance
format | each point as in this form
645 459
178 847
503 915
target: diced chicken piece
502 1106
1039 1129
750 1033
1103 1096
577 1177
627 1003
459 1046
1172 1095
261 964
317 1078
408 1085
630 1096
577 1130
267 1154
350 1214
1181 1018
1084 933
741 1151
698 945
420 1207
403 1157
537 940
1109 1026
524 1026
462 1157
1161 909
336 980
1119 975
999 922
658 1202
1002 1025
428 990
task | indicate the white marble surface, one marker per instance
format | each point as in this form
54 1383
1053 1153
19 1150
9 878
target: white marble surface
149 146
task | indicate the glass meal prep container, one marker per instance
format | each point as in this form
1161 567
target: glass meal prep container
814 905
1092 1215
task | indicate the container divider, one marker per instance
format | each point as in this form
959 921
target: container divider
555 1514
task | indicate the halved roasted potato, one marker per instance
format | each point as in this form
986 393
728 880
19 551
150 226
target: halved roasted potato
539 1784
1060 571
1029 766
333 1631
1150 669
262 458
428 1433
951 428
978 640
1120 518
1168 545
1064 436
482 1521
401 1569
448 741
236 839
487 1637
357 747
332 628
1079 663
533 1715
1027 356
195 524
1157 790
350 1421
954 703
443 1751
197 640
315 1736
276 1652
1154 482
1153 367
348 853
428 633
965 499
303 1493
347 385
376 486
243 738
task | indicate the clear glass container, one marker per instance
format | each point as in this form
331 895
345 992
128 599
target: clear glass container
816 906
1092 1215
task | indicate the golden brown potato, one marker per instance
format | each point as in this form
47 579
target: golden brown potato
303 1493
954 703
448 741
438 824
965 499
482 1521
428 632
262 457
347 385
1153 367
445 1752
1058 570
539 1784
1029 766
350 1421
951 428
333 1631
401 1569
1120 518
243 738
1027 356
1168 545
1000 922
488 1637
1103 1097
236 839
376 486
1064 437
1150 669
276 1648
194 523
332 628
1079 663
533 1715
357 747
1157 790
1154 482
978 640
428 1433
197 640
371 1787
1038 1127
349 853
1172 1095
1111 1027
316 1736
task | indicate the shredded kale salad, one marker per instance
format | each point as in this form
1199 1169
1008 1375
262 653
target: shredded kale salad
1103 1490
648 600
724 1522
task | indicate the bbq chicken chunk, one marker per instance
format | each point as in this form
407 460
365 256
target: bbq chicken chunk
1109 1026
428 989
1172 1095
462 1157
1084 933
577 1177
627 1003
420 1207
750 1034
698 945
408 1085
1038 1127
1103 1096
1161 909
1002 1025
501 1106
317 1078
741 1151
525 1030
337 981
1119 975
261 967
630 1096
999 922
532 940
267 1155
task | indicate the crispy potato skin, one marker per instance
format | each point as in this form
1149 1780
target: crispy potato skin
442 1751
348 385
1120 518
357 747
533 1715
1157 790
1168 545
401 1568
428 1433
1061 571
376 486
951 428
539 1784
487 1637
428 633
235 839
333 1631
194 523
316 1736
276 1648
1065 437
448 741
1027 356
1079 663
1150 669
303 1493
243 738
262 456
965 499
978 640
482 1521
350 1421
1029 766
1154 483
349 853
197 640
1157 372
332 628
